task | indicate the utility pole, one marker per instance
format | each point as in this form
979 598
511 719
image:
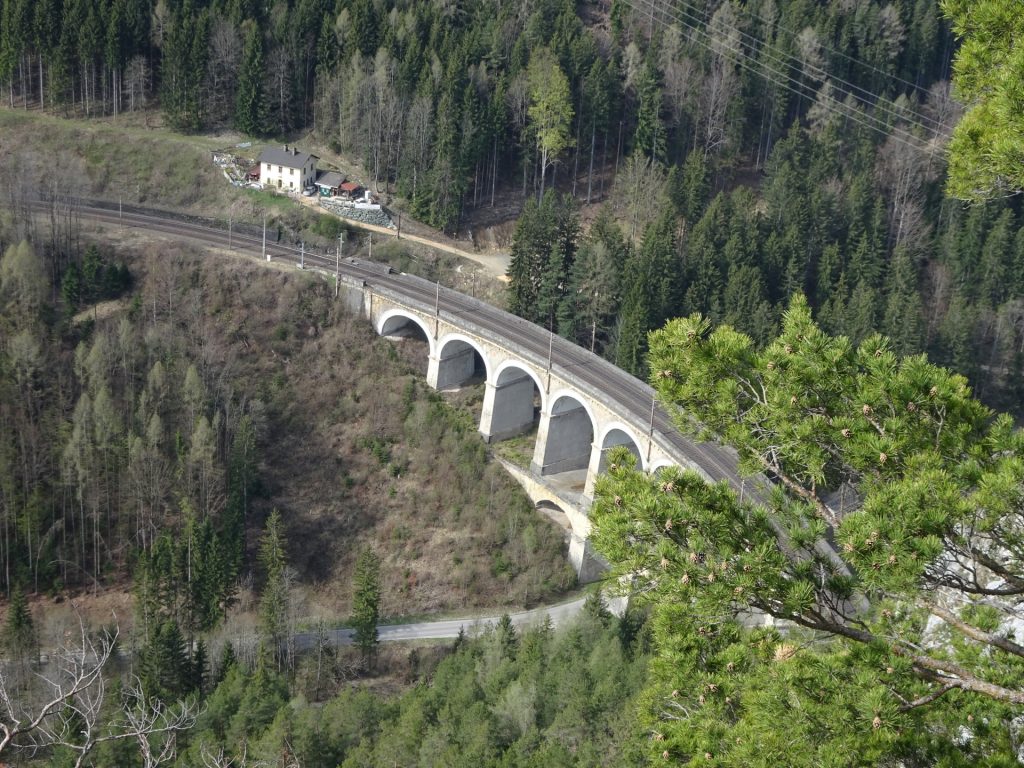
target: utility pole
551 345
437 309
399 226
265 254
229 234
302 255
650 429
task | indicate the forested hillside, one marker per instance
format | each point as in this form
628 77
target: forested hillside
746 151
777 173
152 440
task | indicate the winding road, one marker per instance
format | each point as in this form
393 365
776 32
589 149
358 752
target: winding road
447 629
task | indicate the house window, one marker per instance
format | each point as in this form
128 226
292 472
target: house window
293 171
279 169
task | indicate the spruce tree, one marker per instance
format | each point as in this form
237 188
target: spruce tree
251 101
366 603
19 636
227 661
903 320
166 669
274 601
634 322
508 638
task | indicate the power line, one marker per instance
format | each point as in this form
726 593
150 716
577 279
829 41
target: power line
868 97
864 119
852 59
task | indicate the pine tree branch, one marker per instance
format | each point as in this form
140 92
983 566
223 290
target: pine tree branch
996 567
948 672
988 638
823 511
926 699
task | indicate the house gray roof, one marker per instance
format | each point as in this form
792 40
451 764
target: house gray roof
329 179
287 157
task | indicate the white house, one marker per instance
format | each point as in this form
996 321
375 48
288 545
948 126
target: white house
287 168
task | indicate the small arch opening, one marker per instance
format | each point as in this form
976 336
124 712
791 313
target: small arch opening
403 327
557 515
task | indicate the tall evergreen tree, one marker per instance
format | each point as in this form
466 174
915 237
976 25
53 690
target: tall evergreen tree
19 635
251 101
274 600
366 603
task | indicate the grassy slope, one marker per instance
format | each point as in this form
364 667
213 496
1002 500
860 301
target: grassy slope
134 159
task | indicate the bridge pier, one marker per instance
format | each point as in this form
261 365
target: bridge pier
508 407
564 438
588 564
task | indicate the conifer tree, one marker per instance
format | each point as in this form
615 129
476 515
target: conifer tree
166 671
903 320
19 635
366 603
274 600
251 101
885 470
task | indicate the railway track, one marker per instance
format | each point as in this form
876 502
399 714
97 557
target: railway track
619 390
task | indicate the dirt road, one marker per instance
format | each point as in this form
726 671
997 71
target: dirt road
495 263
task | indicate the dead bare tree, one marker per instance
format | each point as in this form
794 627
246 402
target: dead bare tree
77 688
152 724
638 189
222 69
721 83
904 170
680 76
67 707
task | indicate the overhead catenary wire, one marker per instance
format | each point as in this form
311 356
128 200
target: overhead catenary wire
799 88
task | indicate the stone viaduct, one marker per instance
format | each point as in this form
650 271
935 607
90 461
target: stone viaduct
580 405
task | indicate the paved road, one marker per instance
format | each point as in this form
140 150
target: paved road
447 629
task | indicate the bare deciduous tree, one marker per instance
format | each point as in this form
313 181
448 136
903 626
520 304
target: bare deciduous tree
222 69
64 707
678 73
721 83
903 170
638 188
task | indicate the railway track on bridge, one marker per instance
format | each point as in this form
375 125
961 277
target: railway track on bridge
619 390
